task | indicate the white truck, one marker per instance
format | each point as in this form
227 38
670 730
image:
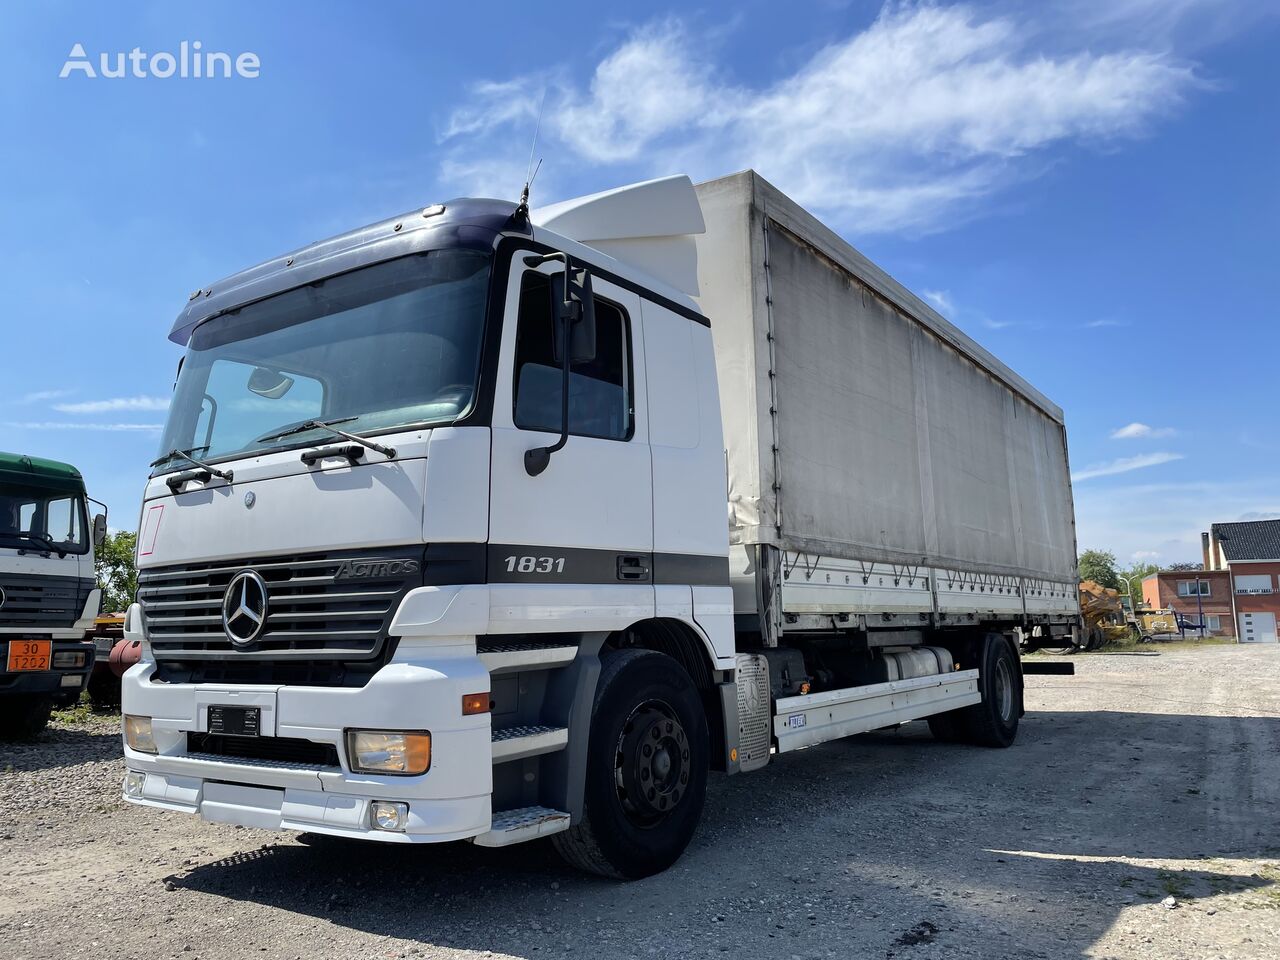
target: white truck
487 524
48 592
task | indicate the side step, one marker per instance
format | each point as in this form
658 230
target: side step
516 743
505 657
524 823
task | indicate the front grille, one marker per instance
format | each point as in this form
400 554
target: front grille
274 751
39 602
311 614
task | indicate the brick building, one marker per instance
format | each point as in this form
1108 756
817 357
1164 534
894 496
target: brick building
1192 594
1249 552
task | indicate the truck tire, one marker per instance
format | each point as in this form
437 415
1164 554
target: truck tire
646 776
24 718
104 689
994 721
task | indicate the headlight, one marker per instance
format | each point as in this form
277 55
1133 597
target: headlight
403 754
68 660
137 734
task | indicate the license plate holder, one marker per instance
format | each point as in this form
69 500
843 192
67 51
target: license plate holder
235 721
29 655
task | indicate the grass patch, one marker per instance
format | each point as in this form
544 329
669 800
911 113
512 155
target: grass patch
1159 646
1174 884
82 712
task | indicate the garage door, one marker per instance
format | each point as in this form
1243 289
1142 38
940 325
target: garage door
1257 628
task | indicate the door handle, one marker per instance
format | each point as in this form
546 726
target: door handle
632 568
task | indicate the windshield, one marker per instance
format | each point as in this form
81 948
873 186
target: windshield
382 347
32 518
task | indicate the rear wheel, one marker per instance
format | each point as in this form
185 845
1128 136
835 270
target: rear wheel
646 776
23 718
994 721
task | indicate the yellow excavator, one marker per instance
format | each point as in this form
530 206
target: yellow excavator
1102 612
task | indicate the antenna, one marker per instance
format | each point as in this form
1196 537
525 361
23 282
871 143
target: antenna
522 209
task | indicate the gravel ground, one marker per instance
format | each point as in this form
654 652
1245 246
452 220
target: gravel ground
1142 778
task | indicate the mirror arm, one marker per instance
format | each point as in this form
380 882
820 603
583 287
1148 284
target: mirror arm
537 459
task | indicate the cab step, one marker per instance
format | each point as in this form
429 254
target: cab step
515 655
531 740
521 824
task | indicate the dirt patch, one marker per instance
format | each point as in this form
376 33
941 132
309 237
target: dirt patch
1140 779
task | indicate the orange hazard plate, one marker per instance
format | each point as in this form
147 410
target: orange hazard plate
30 655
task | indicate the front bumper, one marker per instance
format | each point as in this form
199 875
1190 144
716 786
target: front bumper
421 689
63 685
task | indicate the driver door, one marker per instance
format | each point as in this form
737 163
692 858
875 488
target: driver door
587 520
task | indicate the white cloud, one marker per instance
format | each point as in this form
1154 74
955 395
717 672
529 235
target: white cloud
1144 555
1124 465
42 396
941 300
1098 324
1141 431
114 404
1167 517
902 125
115 427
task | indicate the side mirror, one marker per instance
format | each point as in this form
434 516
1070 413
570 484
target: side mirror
271 384
579 308
99 529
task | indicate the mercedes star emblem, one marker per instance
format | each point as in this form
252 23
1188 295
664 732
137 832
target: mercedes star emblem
250 499
244 608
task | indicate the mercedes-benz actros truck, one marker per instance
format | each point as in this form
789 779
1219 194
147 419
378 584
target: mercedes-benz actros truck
48 593
489 524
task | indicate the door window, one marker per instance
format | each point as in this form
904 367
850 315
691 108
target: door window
600 389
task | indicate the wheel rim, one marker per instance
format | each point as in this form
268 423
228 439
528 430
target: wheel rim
651 763
1004 689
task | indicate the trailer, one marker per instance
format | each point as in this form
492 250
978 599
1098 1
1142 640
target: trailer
487 523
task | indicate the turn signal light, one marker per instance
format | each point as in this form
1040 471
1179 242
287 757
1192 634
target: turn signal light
473 703
138 735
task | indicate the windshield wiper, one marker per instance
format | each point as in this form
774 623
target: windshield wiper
42 541
388 452
304 427
208 469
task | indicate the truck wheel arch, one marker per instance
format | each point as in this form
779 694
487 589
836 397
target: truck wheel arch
687 646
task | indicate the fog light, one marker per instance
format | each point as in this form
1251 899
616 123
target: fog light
389 816
133 783
68 660
404 754
137 734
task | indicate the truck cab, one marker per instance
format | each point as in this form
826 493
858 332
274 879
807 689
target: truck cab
48 592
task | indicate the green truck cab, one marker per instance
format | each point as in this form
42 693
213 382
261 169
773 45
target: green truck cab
48 593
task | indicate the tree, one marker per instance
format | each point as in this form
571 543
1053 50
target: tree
1184 567
1100 566
117 575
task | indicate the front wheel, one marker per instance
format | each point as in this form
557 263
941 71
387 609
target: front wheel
646 776
24 718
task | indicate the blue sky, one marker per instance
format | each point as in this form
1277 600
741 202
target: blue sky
1089 188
